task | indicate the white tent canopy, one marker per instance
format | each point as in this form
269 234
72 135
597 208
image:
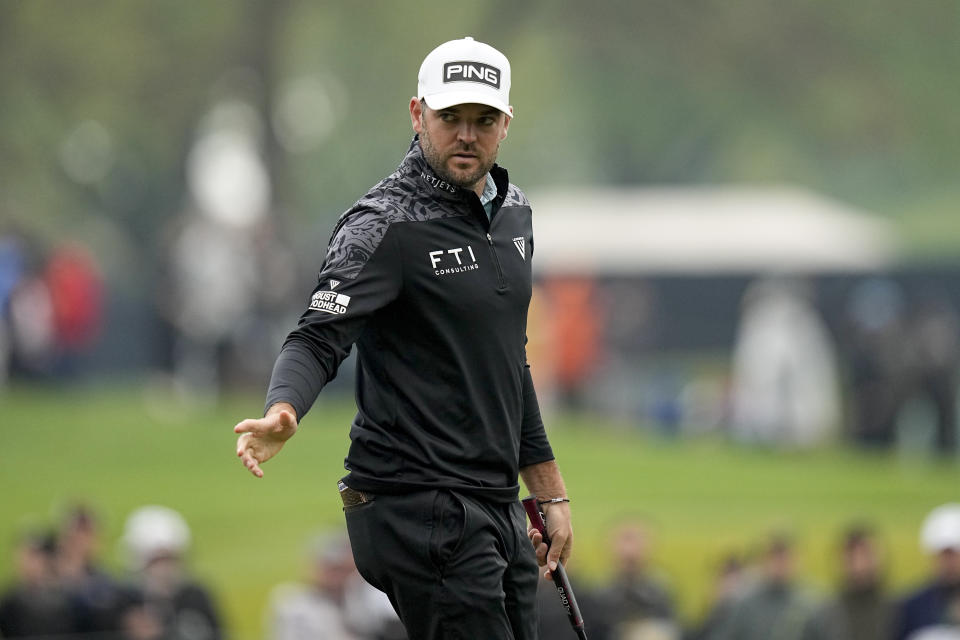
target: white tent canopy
705 230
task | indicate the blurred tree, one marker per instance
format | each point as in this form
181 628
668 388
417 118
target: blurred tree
100 99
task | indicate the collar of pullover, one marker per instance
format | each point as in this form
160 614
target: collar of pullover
415 165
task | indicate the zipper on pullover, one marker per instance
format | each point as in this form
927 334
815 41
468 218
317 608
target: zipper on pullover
501 283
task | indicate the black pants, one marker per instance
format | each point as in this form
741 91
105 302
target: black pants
453 566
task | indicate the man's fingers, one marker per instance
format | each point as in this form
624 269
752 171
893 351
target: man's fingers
261 438
251 463
539 546
556 547
280 422
252 425
286 419
541 549
247 457
552 559
242 444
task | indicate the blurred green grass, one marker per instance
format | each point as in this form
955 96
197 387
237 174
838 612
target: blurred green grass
118 449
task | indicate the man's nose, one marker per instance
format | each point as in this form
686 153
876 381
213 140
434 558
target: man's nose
466 132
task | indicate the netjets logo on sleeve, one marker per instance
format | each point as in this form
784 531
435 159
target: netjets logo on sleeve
330 302
518 243
457 260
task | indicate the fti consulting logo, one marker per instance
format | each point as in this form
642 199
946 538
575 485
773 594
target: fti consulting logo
456 260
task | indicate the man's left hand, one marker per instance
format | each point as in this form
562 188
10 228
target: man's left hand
560 532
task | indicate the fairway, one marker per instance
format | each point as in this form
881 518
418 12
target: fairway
121 449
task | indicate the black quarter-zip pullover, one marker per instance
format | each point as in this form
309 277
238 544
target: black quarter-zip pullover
435 297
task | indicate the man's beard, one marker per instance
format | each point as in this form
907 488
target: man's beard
437 162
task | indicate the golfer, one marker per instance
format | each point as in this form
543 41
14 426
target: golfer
429 275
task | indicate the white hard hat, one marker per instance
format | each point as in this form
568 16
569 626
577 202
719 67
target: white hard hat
941 529
153 531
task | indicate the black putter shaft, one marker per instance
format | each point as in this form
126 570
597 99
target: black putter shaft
560 575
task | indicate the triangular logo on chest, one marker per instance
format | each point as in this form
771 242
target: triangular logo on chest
334 283
518 243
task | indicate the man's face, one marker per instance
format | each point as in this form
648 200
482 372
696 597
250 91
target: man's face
861 564
631 545
780 565
948 565
460 142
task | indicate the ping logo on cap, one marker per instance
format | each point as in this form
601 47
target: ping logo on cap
466 71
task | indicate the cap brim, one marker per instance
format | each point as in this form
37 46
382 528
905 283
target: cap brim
451 98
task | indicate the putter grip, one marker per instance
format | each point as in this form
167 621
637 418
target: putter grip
560 579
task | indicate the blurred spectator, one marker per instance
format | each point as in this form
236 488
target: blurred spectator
335 603
33 339
98 595
636 602
576 334
876 363
940 632
861 610
5 348
731 582
540 351
36 604
12 266
224 252
934 351
775 607
12 269
50 311
213 282
935 607
76 292
164 602
785 388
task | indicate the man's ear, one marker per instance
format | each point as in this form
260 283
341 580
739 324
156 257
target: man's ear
506 125
416 114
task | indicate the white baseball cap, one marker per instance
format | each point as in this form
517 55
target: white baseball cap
941 529
463 71
154 531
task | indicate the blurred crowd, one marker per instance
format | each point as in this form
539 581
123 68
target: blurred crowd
61 590
50 308
873 360
766 597
333 601
892 353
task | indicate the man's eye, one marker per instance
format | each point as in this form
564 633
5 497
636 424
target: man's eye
447 117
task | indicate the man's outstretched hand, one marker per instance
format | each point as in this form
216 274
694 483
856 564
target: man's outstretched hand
262 438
